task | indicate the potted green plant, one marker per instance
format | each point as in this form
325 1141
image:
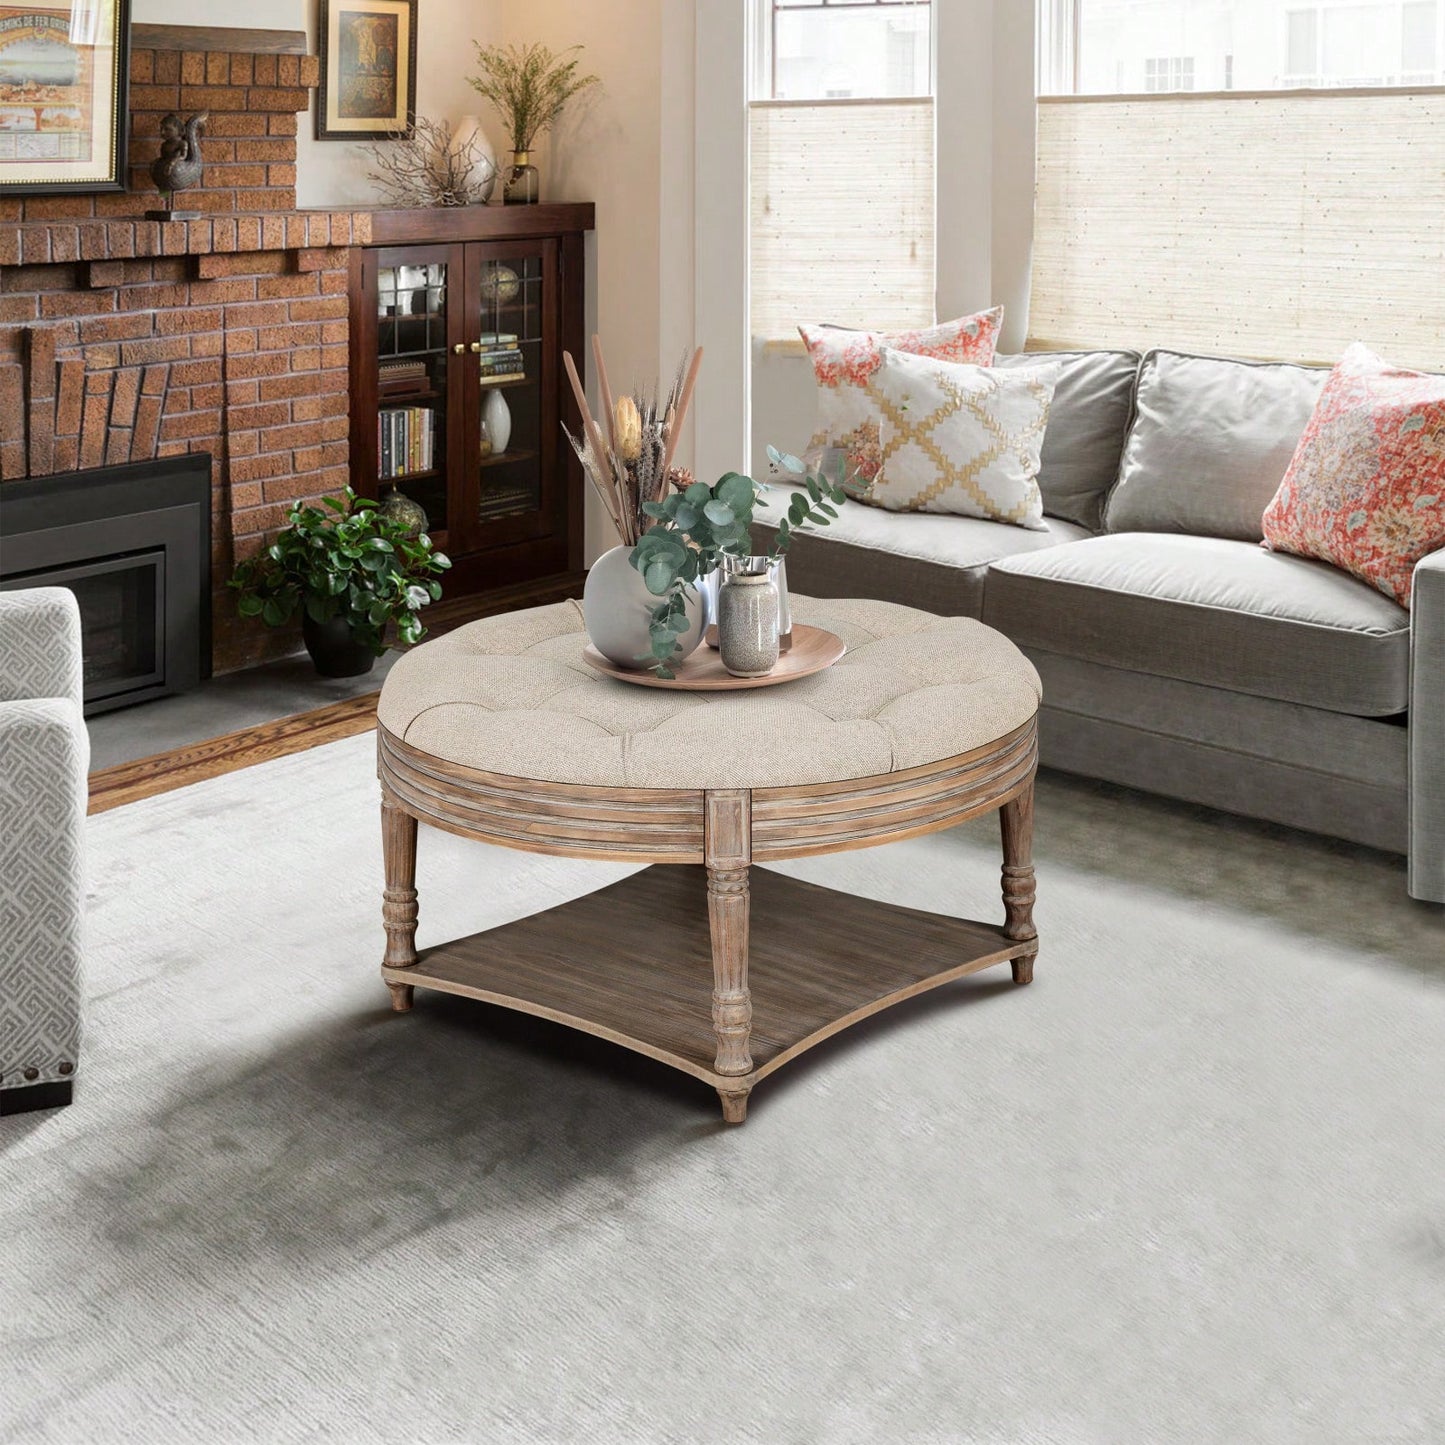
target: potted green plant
351 570
696 527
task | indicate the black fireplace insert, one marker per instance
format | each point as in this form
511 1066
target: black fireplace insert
133 543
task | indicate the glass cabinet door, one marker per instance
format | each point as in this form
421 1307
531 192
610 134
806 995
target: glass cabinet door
515 424
412 355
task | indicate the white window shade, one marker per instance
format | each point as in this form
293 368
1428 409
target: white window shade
1283 225
842 215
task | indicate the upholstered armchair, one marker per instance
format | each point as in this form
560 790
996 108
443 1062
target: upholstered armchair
44 755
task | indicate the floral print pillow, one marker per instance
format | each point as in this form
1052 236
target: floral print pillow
846 362
1366 487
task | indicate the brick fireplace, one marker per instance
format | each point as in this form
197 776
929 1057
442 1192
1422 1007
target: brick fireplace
123 340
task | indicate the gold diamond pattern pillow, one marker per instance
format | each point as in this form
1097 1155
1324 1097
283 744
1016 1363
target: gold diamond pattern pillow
959 439
844 362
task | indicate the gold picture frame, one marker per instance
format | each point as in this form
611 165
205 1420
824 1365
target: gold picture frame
64 69
368 69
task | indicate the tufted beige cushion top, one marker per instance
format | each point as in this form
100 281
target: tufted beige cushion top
511 694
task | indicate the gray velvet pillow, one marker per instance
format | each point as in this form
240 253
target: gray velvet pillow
1210 444
1085 435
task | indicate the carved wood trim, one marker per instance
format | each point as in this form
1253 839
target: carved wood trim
666 825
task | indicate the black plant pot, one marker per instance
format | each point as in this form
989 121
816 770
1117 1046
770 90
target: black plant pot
333 649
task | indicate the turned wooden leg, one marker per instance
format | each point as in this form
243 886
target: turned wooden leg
734 1105
1016 819
728 851
399 906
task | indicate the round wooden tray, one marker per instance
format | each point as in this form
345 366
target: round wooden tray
813 649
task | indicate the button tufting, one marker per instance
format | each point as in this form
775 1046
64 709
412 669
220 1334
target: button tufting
912 689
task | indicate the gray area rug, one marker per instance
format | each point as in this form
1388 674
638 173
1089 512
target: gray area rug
1189 1186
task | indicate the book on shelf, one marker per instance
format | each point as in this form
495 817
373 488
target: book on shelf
502 364
406 441
499 338
402 370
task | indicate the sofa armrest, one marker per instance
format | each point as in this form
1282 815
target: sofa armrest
40 644
43 757
1427 730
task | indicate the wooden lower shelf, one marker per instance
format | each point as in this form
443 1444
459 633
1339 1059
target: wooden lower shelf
632 964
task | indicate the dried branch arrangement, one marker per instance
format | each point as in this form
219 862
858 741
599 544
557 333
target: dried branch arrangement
530 85
428 168
632 464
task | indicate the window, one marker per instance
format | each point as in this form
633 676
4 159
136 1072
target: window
1171 73
842 160
1099 47
1285 205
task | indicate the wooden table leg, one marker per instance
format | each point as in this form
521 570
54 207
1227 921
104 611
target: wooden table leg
727 852
1016 818
399 905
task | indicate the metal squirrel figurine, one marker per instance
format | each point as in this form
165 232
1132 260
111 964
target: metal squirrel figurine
179 163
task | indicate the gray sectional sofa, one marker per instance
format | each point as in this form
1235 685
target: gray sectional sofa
1177 655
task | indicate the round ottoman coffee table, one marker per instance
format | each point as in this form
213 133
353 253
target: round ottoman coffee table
501 732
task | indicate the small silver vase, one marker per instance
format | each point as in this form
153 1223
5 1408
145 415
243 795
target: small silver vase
747 618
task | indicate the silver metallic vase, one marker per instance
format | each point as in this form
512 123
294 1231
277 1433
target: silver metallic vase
747 622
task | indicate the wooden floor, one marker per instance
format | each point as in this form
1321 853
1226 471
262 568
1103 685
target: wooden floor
145 777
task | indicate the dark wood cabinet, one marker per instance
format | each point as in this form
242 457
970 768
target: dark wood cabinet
459 319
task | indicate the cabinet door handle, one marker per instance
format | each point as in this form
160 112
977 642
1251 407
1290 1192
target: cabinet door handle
459 348
476 346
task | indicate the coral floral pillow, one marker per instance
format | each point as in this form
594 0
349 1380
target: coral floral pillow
845 364
1366 487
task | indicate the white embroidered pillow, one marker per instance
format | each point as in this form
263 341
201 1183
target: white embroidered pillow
845 362
959 439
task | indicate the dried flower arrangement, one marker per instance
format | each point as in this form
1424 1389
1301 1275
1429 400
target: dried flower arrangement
428 167
529 85
632 465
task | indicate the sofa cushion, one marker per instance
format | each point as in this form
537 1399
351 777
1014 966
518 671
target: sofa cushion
1366 489
933 562
1093 400
954 439
1210 443
1210 610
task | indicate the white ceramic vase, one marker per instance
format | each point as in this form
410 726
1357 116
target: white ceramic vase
468 129
497 416
617 608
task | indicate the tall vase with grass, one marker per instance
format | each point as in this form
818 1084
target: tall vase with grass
530 85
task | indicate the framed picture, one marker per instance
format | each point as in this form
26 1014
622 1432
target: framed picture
64 65
368 69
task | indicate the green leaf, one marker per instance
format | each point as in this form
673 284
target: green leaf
698 494
654 509
317 608
249 606
273 613
719 513
686 515
334 504
658 577
738 492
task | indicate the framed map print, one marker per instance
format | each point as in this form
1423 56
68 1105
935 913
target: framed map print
63 71
368 69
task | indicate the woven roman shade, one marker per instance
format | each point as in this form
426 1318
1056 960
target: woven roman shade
1282 225
841 214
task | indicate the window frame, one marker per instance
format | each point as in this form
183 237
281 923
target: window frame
763 65
1058 60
